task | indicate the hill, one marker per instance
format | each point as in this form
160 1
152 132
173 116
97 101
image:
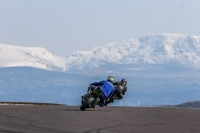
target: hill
145 53
194 104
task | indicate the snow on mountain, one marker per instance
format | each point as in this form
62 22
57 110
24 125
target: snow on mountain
149 49
153 48
14 56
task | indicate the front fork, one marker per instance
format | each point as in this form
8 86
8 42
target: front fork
87 94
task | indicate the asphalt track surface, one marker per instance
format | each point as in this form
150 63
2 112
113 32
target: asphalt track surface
69 119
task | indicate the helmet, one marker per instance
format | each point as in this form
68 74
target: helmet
111 79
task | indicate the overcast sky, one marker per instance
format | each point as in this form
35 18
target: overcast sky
65 26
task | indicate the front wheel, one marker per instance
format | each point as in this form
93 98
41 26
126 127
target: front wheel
82 107
87 102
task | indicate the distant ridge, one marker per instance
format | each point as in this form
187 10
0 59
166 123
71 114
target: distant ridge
26 103
37 57
194 104
145 52
148 49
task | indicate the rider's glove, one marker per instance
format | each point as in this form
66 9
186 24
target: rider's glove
89 87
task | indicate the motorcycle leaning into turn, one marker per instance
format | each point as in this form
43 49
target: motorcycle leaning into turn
92 97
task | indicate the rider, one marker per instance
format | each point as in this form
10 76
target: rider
106 86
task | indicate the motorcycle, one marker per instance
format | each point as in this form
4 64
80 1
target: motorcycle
91 98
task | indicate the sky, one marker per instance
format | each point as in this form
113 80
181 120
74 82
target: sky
66 26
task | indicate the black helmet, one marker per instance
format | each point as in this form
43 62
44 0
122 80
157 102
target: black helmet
111 79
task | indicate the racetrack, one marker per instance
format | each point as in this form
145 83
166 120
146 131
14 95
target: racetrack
69 119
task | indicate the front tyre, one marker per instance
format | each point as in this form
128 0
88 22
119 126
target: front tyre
82 108
87 102
84 105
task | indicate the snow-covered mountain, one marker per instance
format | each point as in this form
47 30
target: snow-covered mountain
154 49
131 54
15 56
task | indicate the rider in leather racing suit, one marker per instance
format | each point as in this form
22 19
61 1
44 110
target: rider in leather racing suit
106 87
